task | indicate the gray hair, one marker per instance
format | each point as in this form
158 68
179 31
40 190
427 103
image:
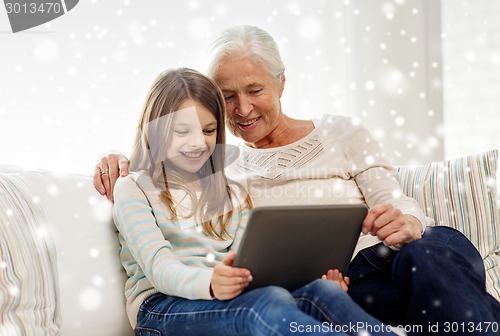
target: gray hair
248 41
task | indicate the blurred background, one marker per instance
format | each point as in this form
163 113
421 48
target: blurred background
422 75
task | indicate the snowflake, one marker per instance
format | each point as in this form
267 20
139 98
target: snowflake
90 299
94 252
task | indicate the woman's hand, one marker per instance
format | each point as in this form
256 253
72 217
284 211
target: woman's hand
391 226
227 281
109 167
336 276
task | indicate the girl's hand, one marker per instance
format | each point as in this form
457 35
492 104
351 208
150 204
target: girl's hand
228 282
336 276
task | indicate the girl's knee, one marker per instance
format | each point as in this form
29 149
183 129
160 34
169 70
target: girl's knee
323 289
272 295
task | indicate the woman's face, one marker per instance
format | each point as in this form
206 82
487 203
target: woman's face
252 98
193 136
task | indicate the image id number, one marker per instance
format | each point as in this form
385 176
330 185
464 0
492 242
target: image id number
470 327
44 7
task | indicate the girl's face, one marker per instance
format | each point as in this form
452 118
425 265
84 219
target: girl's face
193 136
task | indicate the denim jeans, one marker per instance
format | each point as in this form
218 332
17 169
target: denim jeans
437 282
319 308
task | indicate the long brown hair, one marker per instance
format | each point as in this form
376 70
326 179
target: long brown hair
169 90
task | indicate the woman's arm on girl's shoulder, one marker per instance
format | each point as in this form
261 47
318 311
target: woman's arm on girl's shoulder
109 167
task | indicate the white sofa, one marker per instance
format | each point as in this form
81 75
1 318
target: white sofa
84 295
59 266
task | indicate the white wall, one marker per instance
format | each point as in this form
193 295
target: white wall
73 88
471 50
395 65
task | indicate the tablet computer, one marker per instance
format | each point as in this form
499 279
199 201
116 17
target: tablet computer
290 246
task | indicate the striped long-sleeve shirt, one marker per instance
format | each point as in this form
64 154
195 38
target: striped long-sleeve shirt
162 255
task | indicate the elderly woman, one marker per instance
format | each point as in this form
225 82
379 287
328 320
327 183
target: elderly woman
402 273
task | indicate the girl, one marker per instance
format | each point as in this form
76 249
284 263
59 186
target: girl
180 220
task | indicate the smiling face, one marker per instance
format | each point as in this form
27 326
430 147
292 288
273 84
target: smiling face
252 97
192 137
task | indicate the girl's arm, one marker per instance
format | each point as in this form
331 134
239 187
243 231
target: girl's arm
228 282
149 250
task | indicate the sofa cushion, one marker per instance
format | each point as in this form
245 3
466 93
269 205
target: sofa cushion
29 293
91 278
461 193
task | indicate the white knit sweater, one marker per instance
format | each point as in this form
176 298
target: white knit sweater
338 162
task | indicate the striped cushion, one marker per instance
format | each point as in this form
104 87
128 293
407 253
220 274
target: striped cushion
29 298
461 193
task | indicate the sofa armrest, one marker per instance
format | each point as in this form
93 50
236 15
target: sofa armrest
89 273
462 193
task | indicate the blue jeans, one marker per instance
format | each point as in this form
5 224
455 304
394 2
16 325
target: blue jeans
315 309
437 282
